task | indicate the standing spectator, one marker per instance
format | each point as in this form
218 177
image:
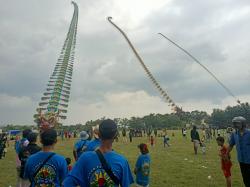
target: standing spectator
3 142
152 141
195 138
142 167
94 144
165 139
214 132
25 153
19 144
241 139
81 145
203 135
65 134
104 167
62 135
46 168
130 134
203 146
226 163
184 133
75 134
124 137
155 132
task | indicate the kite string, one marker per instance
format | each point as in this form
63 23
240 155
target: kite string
197 61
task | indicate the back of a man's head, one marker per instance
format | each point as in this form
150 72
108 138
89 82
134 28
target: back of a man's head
32 137
26 132
108 130
48 137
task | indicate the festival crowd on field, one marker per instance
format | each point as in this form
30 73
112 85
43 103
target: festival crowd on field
98 165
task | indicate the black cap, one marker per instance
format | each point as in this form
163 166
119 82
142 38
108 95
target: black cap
108 129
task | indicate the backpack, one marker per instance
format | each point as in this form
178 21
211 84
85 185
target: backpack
24 154
23 157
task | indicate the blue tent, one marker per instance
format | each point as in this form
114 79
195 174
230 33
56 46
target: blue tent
14 132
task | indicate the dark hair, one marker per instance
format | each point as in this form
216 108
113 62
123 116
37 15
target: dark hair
108 130
194 127
26 133
143 148
68 160
220 139
48 137
32 137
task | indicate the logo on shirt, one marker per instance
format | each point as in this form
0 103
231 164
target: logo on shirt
145 169
45 177
99 178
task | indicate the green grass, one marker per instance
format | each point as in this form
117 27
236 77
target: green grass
176 166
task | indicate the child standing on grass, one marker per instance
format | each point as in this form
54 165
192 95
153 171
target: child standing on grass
226 163
142 167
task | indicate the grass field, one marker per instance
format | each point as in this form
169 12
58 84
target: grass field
176 166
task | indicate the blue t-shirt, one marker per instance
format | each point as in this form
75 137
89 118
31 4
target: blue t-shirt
143 169
19 145
88 171
242 146
93 145
80 147
51 174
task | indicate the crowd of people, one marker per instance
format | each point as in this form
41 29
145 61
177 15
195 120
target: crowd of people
97 164
239 138
3 144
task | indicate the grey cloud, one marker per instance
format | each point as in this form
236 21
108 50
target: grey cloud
34 32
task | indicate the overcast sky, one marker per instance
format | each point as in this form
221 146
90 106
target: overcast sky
108 80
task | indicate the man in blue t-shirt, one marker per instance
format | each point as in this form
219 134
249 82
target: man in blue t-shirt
241 138
23 142
19 145
81 145
49 173
96 142
89 170
142 166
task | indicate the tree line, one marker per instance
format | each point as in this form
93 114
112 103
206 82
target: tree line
218 119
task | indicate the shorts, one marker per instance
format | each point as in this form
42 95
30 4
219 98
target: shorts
196 143
227 170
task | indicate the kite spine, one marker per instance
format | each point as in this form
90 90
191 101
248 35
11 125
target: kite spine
162 92
57 94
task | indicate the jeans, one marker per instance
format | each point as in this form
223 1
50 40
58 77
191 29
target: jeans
245 172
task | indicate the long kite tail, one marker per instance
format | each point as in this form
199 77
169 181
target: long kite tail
149 74
204 67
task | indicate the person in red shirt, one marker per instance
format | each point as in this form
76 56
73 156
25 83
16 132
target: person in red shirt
226 163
